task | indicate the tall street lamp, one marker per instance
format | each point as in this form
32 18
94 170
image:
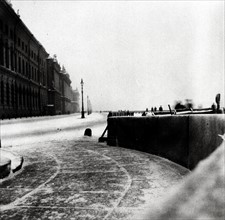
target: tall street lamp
82 104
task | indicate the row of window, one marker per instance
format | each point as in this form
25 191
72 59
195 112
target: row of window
12 95
5 29
20 43
10 59
25 48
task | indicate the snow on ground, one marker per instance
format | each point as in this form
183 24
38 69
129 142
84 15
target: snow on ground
39 129
67 171
83 179
200 196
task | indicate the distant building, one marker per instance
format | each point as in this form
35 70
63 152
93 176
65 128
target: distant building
75 101
54 82
66 93
61 97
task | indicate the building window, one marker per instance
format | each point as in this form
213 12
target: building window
11 34
7 55
1 25
31 98
16 94
29 73
2 93
27 92
24 97
26 48
18 41
7 93
24 70
20 96
6 30
27 70
15 62
11 58
22 45
12 95
1 53
19 64
32 73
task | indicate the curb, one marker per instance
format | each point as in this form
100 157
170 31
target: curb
5 167
9 161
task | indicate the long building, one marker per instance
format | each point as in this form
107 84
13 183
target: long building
31 82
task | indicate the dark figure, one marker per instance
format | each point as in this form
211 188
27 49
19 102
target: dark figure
218 103
213 107
143 114
179 106
88 132
110 114
155 109
160 108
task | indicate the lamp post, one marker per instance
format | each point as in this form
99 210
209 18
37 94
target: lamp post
82 104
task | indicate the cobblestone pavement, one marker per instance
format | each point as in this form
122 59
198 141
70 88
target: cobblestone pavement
83 179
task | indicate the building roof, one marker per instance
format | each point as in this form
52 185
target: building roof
9 8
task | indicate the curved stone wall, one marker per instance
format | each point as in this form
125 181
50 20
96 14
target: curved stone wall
185 139
5 167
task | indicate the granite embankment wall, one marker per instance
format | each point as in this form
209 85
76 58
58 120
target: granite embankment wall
183 139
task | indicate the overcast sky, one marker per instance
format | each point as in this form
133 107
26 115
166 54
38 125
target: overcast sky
134 55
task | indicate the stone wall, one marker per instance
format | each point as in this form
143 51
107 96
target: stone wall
182 139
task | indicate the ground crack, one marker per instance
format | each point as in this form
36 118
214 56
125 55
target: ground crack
20 200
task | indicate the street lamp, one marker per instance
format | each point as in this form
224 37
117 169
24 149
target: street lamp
82 104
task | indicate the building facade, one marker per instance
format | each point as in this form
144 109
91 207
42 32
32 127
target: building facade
75 101
54 82
31 83
23 73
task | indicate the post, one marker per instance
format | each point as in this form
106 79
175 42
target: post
82 98
170 109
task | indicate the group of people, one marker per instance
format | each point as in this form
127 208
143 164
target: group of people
151 113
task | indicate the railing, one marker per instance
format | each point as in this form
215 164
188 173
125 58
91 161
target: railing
164 112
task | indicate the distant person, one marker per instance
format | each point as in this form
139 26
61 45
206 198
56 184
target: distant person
110 114
213 107
160 108
155 109
150 114
143 114
179 105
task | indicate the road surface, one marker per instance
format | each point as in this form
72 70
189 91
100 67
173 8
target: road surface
69 176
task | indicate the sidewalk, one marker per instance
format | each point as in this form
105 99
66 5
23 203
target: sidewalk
85 180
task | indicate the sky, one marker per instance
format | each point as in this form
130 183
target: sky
134 55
